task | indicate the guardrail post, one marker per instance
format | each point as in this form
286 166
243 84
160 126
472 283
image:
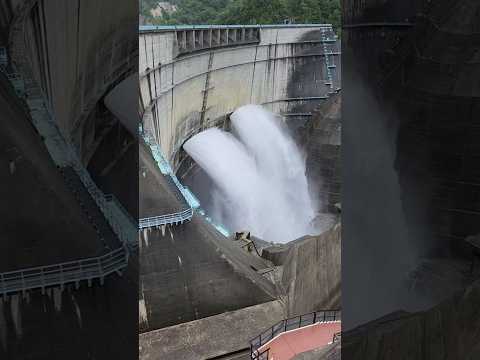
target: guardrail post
99 263
61 277
43 282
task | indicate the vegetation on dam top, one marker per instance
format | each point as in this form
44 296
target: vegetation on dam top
176 12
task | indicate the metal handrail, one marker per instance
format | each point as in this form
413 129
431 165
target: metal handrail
173 218
290 324
64 273
262 355
149 28
78 270
167 219
127 223
125 233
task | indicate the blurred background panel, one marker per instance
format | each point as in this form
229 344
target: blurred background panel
410 177
69 170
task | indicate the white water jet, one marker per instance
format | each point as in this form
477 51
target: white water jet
259 174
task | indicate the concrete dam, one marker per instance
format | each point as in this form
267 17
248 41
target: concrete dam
194 273
69 258
68 263
288 69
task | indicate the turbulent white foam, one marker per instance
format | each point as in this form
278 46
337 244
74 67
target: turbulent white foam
259 175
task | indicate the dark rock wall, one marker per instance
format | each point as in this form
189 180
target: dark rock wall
312 273
323 149
424 77
410 128
449 331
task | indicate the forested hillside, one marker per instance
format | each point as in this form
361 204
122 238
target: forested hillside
246 12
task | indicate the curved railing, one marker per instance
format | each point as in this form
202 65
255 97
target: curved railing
173 218
169 219
149 28
286 325
64 273
190 199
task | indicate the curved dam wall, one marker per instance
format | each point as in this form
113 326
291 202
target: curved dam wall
192 78
76 52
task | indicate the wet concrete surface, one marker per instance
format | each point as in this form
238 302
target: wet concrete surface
223 336
40 219
158 195
191 271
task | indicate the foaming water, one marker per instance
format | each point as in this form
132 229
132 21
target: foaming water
259 176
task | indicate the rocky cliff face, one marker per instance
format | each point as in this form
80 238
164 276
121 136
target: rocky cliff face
308 272
449 331
329 352
323 140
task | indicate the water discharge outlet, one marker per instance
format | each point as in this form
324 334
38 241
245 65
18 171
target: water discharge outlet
258 176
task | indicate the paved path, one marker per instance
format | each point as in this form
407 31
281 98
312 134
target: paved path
286 345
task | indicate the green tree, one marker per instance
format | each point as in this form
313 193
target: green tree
247 12
253 12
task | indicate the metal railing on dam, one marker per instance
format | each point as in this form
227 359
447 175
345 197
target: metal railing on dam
63 155
191 38
41 277
168 219
191 202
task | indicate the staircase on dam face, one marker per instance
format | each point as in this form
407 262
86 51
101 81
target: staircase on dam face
206 90
329 65
117 233
93 213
